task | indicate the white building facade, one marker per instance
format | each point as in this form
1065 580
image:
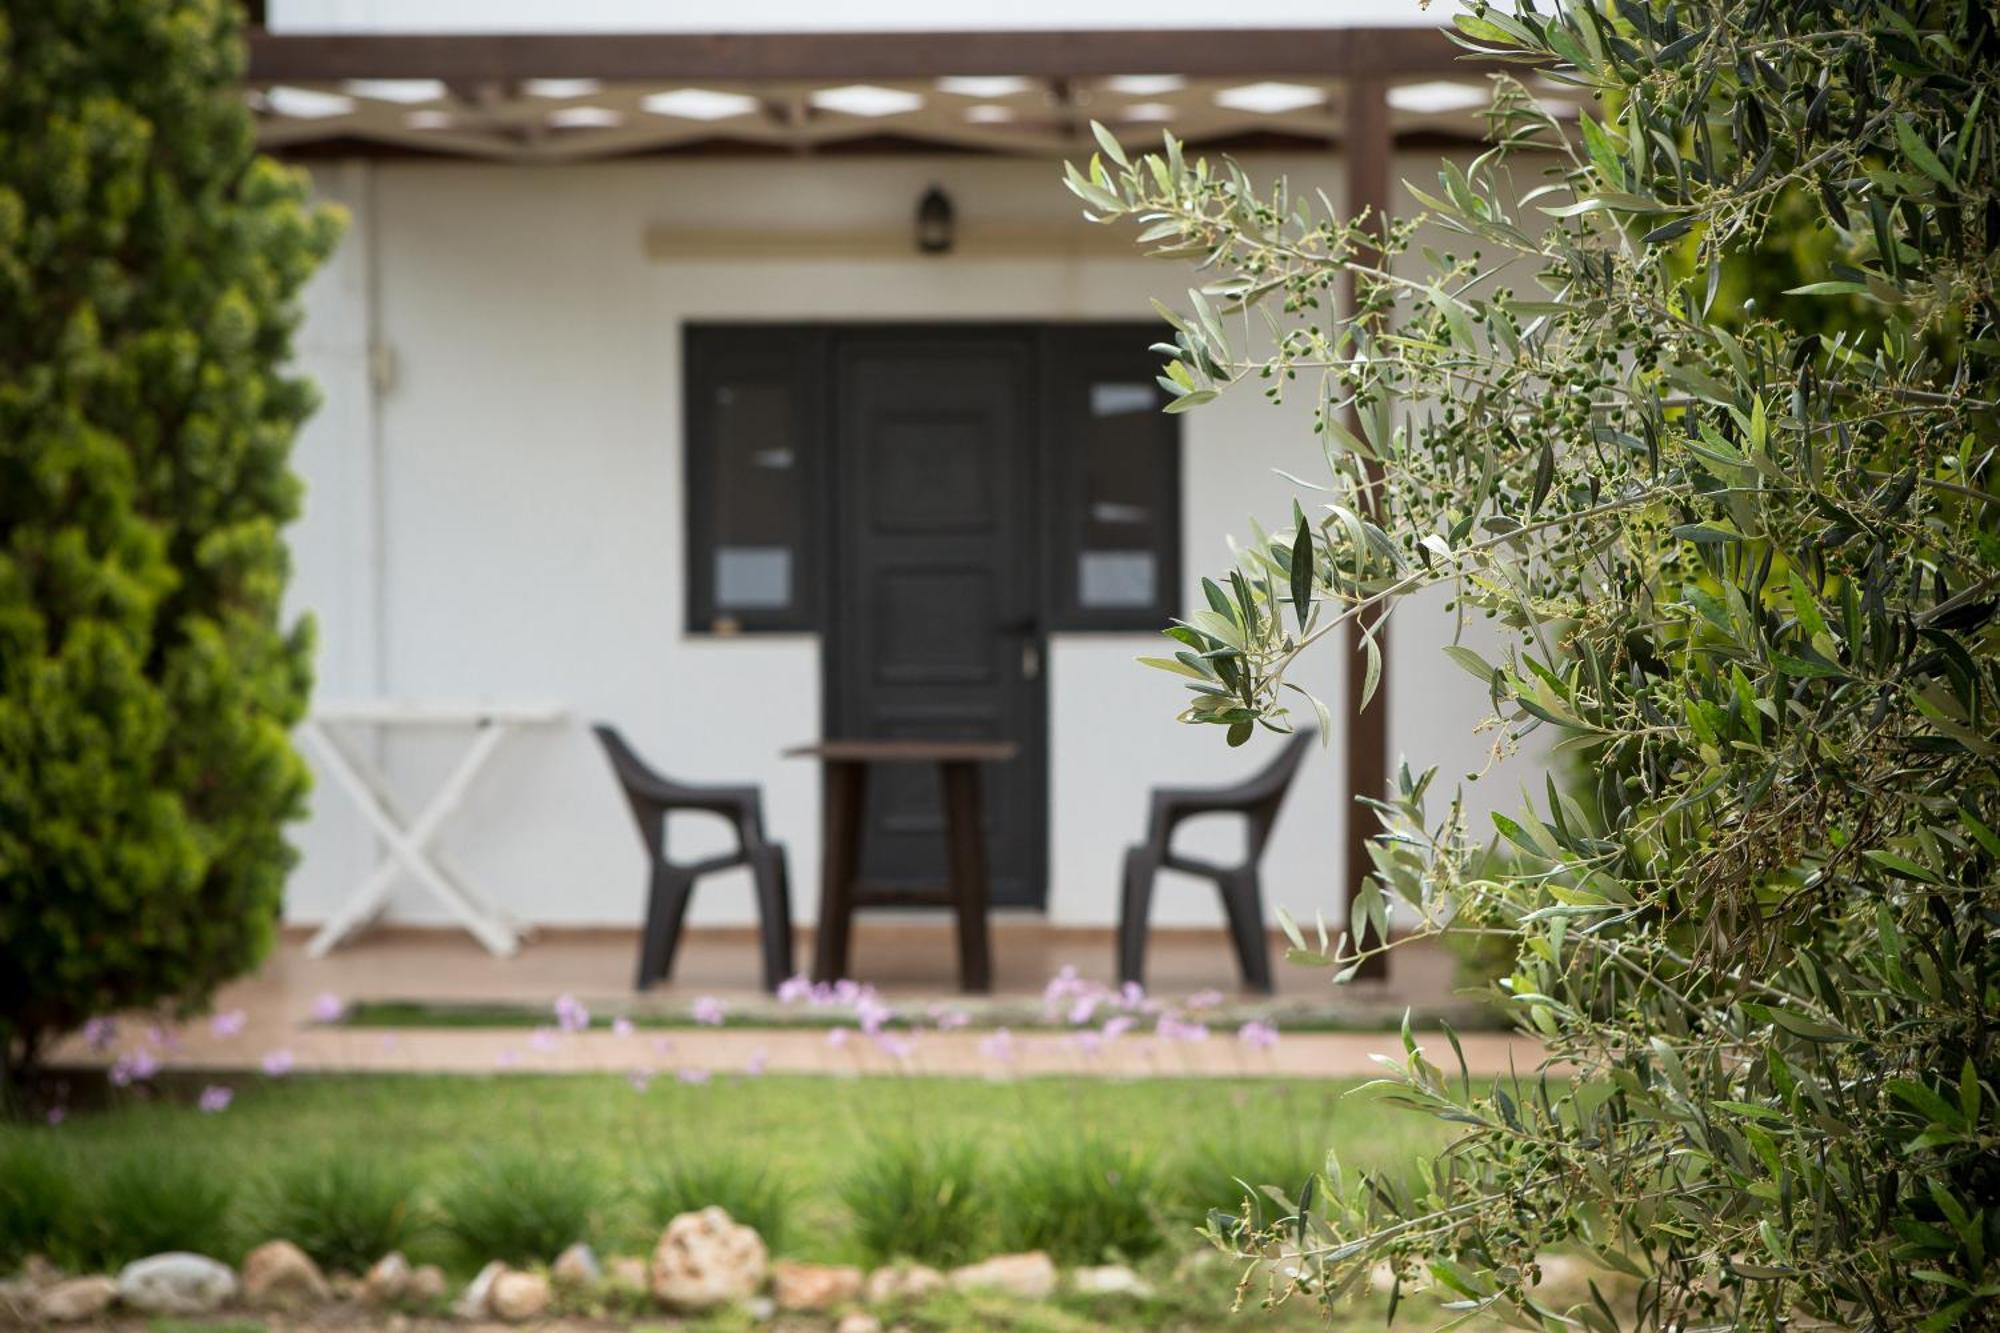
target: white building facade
498 504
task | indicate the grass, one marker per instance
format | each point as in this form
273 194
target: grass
920 1197
344 1210
520 1204
38 1202
151 1199
734 1181
807 1133
1088 1199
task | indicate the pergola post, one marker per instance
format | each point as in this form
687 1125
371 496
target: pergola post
1367 145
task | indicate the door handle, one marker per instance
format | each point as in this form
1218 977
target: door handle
1029 630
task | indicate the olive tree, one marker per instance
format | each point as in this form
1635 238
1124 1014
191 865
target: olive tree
1747 558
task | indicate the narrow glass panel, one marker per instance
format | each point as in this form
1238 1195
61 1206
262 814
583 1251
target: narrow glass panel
753 578
757 504
1115 579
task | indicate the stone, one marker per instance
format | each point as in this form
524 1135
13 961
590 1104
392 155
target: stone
472 1302
388 1280
347 1287
1109 1280
628 1272
280 1275
1028 1277
760 1309
176 1283
705 1260
78 1298
904 1283
17 1300
518 1297
427 1285
577 1268
814 1287
858 1321
38 1272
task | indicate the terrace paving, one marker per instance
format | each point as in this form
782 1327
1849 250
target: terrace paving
445 973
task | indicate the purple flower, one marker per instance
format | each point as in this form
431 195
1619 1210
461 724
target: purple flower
328 1008
793 989
948 1018
134 1067
1172 1027
99 1033
1117 1026
759 1058
895 1045
571 1015
664 1045
872 1014
621 1026
708 1011
215 1098
1088 1042
693 1076
838 1037
542 1039
997 1046
639 1079
1132 996
390 1041
278 1063
507 1058
1258 1035
228 1023
58 1114
1204 999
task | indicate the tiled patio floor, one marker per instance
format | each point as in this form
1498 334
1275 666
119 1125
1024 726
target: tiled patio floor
908 961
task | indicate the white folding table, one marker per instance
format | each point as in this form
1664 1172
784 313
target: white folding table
408 840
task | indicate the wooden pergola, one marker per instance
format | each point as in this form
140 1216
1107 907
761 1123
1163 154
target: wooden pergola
553 98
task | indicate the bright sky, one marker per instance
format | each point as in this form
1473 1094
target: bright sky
460 16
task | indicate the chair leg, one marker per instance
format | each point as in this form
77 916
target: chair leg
1140 868
1243 902
774 913
668 907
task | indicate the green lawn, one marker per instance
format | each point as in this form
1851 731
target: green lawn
807 1129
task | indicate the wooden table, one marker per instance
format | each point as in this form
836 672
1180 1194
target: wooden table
844 766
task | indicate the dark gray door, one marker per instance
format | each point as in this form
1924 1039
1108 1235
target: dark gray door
933 631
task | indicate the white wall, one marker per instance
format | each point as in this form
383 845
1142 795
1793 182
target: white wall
503 522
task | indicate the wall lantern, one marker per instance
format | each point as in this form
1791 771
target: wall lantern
936 222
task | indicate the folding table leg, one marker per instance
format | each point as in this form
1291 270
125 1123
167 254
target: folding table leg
407 847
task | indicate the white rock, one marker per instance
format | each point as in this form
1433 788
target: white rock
473 1303
388 1280
705 1260
427 1285
280 1274
1030 1276
860 1321
1109 1280
176 1283
904 1283
577 1267
628 1271
79 1298
760 1309
518 1297
814 1287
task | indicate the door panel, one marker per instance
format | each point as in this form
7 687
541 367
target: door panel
933 632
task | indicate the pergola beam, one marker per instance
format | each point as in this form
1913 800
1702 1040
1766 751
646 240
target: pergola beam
1387 53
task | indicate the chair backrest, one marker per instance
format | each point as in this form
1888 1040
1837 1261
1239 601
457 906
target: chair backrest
625 761
1273 780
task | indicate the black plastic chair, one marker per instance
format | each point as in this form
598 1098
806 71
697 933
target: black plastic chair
652 797
1256 799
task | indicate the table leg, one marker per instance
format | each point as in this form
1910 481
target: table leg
844 806
408 847
965 834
